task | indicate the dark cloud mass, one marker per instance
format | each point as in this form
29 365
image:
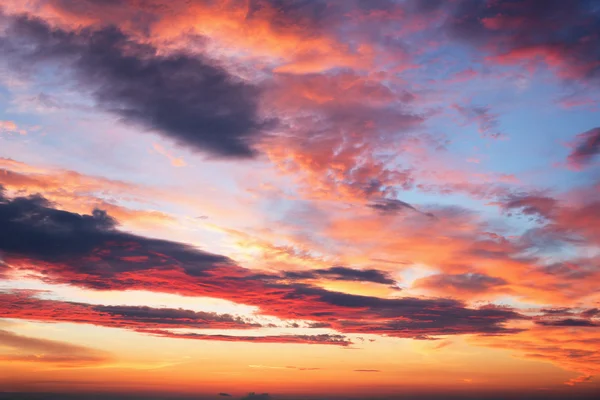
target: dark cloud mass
391 206
569 322
344 274
88 251
534 205
142 319
301 15
568 317
336 340
562 34
25 305
185 97
469 282
32 228
586 148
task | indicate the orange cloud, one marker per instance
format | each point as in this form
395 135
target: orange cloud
16 348
77 192
11 127
573 349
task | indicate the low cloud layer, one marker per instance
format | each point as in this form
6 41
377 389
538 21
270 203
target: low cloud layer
19 348
90 252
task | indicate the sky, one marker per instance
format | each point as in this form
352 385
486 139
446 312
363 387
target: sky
299 199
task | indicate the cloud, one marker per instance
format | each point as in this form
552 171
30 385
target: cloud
397 317
342 112
30 226
578 380
457 283
585 148
569 347
26 305
304 368
297 36
65 355
89 251
78 192
394 206
336 340
224 394
533 205
569 322
592 312
391 206
568 223
331 146
147 320
11 127
344 274
569 317
557 33
187 98
487 123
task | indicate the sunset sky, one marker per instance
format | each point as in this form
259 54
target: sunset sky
300 198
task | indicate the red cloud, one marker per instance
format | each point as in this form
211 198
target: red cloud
88 251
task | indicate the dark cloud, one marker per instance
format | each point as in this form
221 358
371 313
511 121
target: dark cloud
400 317
469 282
557 311
185 97
569 271
175 317
26 305
89 251
224 394
349 274
344 274
317 325
569 322
592 312
256 396
563 34
569 317
531 204
586 148
32 228
299 15
336 340
391 206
